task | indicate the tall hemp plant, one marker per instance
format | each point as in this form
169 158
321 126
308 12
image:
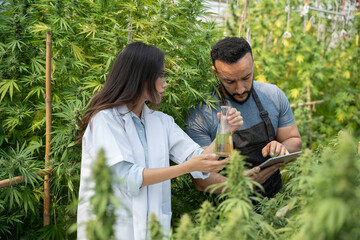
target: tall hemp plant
87 36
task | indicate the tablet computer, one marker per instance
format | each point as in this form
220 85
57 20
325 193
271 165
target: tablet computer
280 159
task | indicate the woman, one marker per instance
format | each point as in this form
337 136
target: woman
138 143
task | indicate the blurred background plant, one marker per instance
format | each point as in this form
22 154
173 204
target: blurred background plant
103 202
318 60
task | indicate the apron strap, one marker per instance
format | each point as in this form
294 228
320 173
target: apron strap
264 116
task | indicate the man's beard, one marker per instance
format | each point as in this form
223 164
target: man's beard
231 96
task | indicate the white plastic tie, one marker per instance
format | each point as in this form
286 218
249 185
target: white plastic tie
304 10
287 35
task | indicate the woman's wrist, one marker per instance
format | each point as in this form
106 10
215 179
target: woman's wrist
187 167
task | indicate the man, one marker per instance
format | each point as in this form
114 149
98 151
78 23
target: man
269 127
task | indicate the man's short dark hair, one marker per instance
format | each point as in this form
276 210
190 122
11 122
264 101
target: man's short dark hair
230 50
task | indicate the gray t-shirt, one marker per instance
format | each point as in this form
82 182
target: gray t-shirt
202 121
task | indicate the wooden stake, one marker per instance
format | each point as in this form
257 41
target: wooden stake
48 129
20 179
312 103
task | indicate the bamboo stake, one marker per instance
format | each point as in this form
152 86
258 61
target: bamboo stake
312 103
20 179
48 129
11 181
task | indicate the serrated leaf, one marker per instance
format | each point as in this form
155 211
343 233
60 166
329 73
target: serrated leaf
347 74
8 85
40 28
340 116
278 23
286 43
294 93
261 78
299 58
77 51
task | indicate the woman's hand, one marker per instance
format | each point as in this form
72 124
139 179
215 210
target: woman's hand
234 119
205 163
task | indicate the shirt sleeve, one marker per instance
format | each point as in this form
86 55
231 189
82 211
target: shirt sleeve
108 133
197 174
286 117
198 128
130 175
182 147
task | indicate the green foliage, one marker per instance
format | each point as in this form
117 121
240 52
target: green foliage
318 57
319 201
234 217
185 228
155 228
206 218
20 205
86 37
331 211
185 198
320 191
103 202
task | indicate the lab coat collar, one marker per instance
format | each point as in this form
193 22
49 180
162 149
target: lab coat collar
124 110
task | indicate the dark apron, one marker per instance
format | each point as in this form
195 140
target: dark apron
251 141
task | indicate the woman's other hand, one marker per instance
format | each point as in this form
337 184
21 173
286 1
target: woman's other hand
206 163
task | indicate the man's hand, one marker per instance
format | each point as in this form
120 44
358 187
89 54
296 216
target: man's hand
273 149
261 176
234 119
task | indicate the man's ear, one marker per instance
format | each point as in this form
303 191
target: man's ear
214 69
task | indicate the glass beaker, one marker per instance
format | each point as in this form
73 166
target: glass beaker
223 141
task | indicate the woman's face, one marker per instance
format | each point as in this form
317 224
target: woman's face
160 86
161 83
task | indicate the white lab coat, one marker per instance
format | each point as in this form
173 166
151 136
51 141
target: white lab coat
117 135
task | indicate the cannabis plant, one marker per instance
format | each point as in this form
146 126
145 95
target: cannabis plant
328 207
86 38
103 202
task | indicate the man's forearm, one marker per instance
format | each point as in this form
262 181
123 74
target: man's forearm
210 148
293 144
214 178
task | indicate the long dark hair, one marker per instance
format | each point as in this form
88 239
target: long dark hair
137 64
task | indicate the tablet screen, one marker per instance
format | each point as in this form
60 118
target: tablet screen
280 159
